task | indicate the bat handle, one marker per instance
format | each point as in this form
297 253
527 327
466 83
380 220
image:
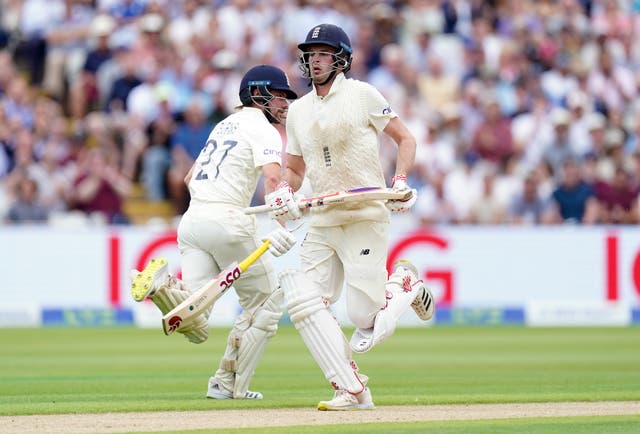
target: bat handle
253 257
257 209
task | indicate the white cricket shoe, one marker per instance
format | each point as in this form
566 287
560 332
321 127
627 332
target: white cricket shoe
423 304
146 283
345 401
215 391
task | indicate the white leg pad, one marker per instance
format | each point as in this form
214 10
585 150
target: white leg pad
264 325
168 297
320 332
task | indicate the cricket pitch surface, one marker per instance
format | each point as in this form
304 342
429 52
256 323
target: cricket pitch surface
256 418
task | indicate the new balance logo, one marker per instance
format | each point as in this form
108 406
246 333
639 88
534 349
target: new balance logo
364 252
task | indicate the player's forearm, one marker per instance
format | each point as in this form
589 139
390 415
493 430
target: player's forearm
271 174
406 156
293 178
294 172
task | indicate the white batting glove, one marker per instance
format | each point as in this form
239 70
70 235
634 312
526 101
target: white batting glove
399 183
283 203
280 241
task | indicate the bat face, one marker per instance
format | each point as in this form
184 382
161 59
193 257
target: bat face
200 300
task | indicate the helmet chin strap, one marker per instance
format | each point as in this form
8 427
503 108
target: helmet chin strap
330 77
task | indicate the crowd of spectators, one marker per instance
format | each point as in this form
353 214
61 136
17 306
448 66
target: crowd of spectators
525 111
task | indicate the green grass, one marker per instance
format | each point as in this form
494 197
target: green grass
73 370
567 425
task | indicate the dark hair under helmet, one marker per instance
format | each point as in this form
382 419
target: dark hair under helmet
333 36
265 78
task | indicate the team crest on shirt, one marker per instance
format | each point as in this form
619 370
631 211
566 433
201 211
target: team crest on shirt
226 127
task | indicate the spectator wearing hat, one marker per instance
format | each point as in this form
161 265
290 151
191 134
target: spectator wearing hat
559 150
579 105
84 93
614 156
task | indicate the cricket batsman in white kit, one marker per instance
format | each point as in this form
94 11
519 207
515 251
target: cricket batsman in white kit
332 139
215 231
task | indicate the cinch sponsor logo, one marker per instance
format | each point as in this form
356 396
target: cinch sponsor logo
271 152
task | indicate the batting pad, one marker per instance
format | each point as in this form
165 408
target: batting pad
320 332
252 343
167 297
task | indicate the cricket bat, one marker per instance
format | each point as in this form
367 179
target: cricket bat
200 300
354 195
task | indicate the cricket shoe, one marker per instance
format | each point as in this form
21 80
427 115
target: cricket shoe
216 391
345 401
154 275
423 304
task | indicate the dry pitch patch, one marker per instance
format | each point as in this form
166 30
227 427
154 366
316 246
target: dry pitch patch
187 420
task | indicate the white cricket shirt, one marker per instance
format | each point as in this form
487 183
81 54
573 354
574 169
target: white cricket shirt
229 166
337 136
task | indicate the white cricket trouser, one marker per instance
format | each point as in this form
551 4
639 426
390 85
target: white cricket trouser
354 256
211 240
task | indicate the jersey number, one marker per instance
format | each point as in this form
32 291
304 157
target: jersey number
215 154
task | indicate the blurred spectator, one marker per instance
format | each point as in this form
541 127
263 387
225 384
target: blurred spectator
36 18
529 206
124 79
559 149
66 42
492 140
99 187
618 199
157 159
579 104
533 132
53 183
432 206
462 186
614 156
613 86
573 199
84 93
437 88
487 209
27 208
186 143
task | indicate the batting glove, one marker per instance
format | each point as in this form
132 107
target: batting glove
280 241
283 203
399 183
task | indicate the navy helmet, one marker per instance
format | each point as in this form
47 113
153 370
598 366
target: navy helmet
265 78
333 36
